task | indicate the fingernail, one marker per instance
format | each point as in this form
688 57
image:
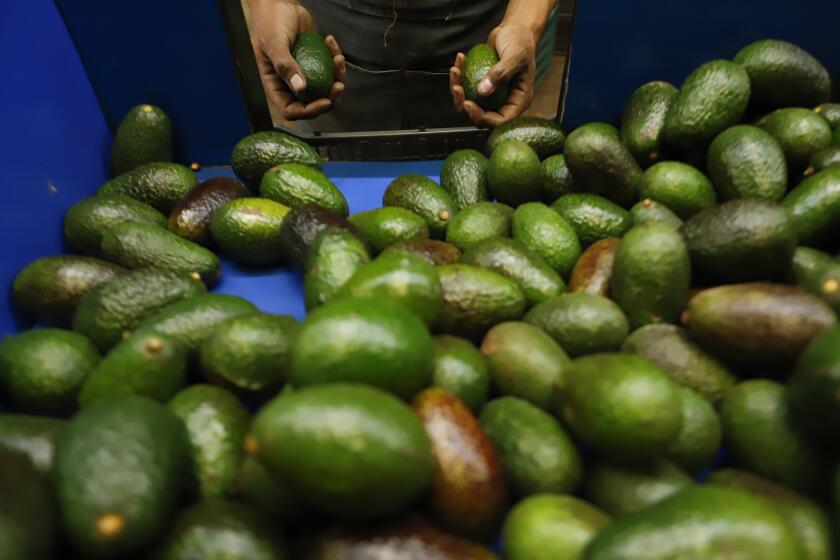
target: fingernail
485 86
297 82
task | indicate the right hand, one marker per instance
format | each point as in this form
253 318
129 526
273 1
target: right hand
276 24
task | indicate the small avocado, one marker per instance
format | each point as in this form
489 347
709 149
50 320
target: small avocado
829 157
536 452
644 118
546 233
383 227
514 174
814 384
28 528
460 369
556 177
433 251
475 299
747 162
313 56
257 488
424 197
191 217
301 227
358 340
680 187
42 370
593 217
87 220
112 310
830 112
50 288
548 526
134 245
581 323
800 132
814 206
334 258
144 135
464 176
523 362
761 436
33 436
104 513
151 365
712 98
479 60
818 273
621 489
295 184
699 439
367 439
158 184
601 164
593 270
649 211
257 153
543 135
479 222
248 230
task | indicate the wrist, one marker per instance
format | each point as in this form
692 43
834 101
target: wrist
531 15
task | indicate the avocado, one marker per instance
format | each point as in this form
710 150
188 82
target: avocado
250 353
644 118
260 490
479 222
650 211
523 362
363 340
365 439
158 184
679 186
830 112
295 184
87 220
225 530
475 299
817 273
28 528
761 436
543 135
464 177
699 439
547 527
135 246
536 452
670 348
409 538
406 280
556 178
109 312
514 174
513 260
621 489
582 323
150 365
757 327
248 230
747 162
424 197
216 425
593 270
42 370
469 493
313 56
257 153
191 217
783 75
192 320
460 369
33 436
301 227
800 132
335 257
49 289
814 206
104 513
433 251
479 60
835 137
386 226
712 98
741 240
829 157
601 164
144 135
593 217
699 522
543 231
813 387
807 520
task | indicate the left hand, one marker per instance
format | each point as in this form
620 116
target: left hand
517 64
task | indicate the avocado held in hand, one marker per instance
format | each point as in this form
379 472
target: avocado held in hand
479 60
313 56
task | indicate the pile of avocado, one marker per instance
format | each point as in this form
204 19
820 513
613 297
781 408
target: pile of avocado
616 345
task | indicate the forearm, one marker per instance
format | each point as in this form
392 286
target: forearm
532 14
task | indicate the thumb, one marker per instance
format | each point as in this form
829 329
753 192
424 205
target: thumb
498 74
285 66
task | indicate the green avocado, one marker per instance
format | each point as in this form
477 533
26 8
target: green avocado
699 439
479 60
158 184
830 112
800 132
644 118
248 230
433 251
257 488
479 222
334 258
593 217
680 187
295 184
621 489
546 233
144 135
829 157
87 220
650 211
383 227
257 153
514 174
543 135
747 162
814 206
818 273
33 436
460 369
813 386
464 176
424 197
556 177
28 528
313 56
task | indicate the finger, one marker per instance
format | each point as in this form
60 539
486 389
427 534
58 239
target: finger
293 111
315 108
286 67
332 44
454 77
336 91
475 113
459 60
458 98
498 74
339 67
305 21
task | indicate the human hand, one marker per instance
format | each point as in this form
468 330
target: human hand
276 24
517 64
